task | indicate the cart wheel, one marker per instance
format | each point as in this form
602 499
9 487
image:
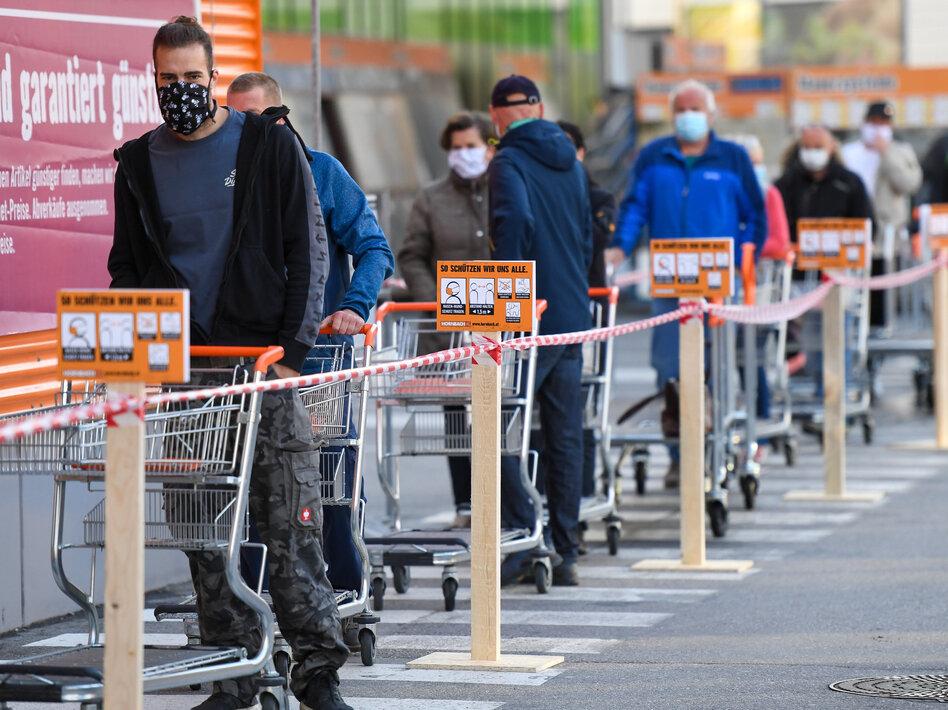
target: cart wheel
613 534
367 647
641 473
749 486
281 663
718 515
541 576
378 593
195 687
868 429
269 702
450 589
402 576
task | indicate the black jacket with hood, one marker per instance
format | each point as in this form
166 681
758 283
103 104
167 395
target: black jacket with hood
272 288
540 211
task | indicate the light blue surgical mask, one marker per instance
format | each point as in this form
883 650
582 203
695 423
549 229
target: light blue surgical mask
691 126
763 179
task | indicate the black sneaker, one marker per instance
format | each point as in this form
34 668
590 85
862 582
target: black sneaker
566 575
322 693
224 701
515 569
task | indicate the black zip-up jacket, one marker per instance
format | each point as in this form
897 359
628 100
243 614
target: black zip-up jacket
272 288
839 194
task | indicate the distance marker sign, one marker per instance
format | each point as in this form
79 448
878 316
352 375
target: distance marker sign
124 335
486 295
692 268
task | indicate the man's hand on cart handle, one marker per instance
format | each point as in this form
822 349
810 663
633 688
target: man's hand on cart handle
344 322
283 372
614 256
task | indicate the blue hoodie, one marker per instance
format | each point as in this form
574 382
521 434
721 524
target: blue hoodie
717 196
539 210
352 230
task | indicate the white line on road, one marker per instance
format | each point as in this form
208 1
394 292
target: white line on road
520 644
394 672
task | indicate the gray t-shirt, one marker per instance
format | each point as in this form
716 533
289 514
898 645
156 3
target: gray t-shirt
195 185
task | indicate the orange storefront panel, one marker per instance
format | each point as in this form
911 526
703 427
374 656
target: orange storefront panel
237 30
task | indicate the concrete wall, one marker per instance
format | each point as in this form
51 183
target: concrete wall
28 593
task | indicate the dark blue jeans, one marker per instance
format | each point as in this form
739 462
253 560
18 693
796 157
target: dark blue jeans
558 391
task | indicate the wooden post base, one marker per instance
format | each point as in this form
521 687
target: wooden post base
736 566
824 497
923 445
463 662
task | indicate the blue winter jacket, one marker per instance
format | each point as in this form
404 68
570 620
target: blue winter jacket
539 210
352 229
718 196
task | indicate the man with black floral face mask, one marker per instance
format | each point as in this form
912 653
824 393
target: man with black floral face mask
223 203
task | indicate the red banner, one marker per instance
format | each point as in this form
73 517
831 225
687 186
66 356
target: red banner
76 81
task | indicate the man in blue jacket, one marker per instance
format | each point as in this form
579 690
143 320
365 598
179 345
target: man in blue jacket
688 185
539 210
352 230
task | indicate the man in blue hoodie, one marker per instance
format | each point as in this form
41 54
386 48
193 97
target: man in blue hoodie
539 210
688 185
353 231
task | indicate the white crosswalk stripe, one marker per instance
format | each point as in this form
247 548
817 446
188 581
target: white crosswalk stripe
403 674
522 644
617 595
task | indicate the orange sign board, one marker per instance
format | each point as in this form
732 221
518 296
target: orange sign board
692 268
124 335
934 220
486 295
833 244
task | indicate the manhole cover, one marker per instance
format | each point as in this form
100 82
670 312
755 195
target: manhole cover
900 687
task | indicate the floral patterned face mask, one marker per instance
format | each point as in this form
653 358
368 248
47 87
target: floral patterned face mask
185 106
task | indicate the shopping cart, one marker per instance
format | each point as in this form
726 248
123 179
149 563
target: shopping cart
764 353
337 414
434 403
198 460
599 503
806 386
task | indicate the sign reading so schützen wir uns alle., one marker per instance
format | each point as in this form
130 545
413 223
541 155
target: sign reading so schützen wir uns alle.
692 268
486 295
124 335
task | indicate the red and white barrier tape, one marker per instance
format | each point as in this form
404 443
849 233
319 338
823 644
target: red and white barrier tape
772 312
896 279
68 416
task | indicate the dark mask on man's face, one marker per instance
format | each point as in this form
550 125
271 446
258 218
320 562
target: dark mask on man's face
185 106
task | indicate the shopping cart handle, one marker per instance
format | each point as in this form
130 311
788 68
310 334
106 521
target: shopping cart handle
403 306
610 292
369 330
749 273
266 356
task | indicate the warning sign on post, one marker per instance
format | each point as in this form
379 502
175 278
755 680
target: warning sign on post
933 220
833 244
692 268
486 295
120 335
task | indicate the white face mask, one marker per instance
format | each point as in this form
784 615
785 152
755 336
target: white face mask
814 159
468 163
871 132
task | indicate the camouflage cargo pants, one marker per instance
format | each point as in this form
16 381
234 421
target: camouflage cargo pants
284 501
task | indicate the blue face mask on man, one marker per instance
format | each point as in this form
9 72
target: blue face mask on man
691 126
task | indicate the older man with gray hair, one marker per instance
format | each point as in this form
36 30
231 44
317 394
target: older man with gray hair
688 185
